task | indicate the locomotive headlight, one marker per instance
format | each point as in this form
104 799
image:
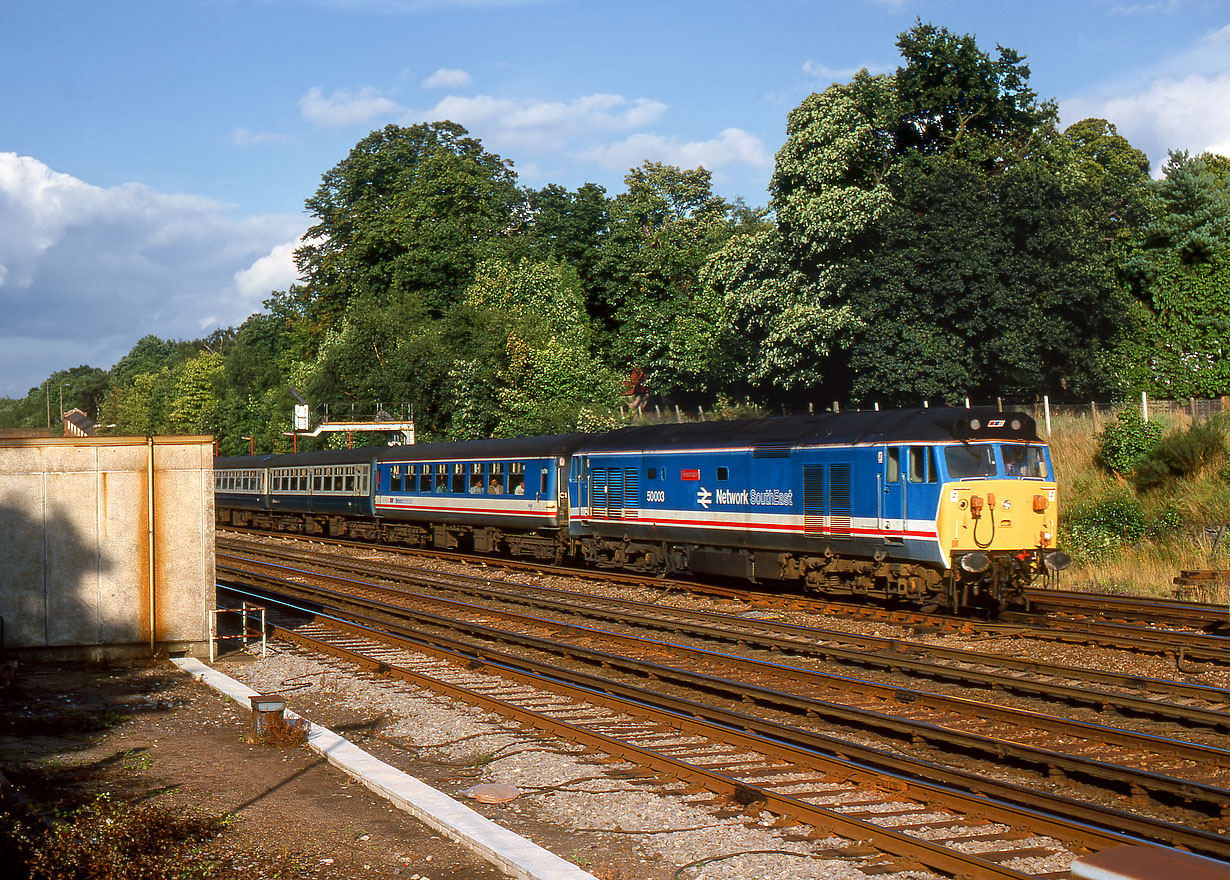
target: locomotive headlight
1007 504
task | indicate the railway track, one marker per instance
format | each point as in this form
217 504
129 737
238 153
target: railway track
1129 696
1188 632
1194 779
862 814
784 695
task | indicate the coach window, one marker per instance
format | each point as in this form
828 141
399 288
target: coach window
395 478
495 486
516 478
424 478
922 464
350 480
441 478
318 480
459 479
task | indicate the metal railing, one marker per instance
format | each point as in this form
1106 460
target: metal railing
246 614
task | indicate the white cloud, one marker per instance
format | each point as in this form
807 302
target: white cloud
274 271
1182 106
242 137
90 270
733 147
542 124
345 107
824 73
1190 114
444 78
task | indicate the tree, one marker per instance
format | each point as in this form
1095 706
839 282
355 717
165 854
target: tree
954 99
1179 340
928 226
663 229
406 216
195 403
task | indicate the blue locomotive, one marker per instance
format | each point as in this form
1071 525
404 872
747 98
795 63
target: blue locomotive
938 507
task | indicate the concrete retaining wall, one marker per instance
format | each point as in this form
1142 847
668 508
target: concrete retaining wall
75 544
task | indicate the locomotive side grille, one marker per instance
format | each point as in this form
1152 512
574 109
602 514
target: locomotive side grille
597 493
614 493
813 499
632 495
771 450
839 499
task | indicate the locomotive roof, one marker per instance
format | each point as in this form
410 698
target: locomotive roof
923 425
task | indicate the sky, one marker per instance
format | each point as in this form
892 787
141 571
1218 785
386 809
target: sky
155 155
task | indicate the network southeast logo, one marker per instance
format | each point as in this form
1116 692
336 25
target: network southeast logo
746 497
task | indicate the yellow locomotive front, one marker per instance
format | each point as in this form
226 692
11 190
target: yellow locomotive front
997 520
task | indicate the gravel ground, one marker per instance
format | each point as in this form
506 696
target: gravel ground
567 800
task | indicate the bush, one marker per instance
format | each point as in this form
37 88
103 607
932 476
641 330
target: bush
1095 529
1122 445
1180 454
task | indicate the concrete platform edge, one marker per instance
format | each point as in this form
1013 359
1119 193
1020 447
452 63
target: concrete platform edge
509 852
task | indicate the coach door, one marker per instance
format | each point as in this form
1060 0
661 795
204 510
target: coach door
892 493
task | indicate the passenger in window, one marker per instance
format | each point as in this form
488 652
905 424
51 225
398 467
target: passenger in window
476 486
495 487
518 485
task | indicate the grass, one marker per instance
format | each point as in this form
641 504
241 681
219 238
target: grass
1177 516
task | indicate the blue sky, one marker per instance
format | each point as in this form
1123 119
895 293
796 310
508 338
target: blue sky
155 154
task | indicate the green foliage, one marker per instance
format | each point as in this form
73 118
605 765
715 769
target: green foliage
932 236
937 216
1179 273
406 215
1095 528
1180 454
1123 444
195 404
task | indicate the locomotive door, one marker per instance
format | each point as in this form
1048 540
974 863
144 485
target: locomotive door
892 494
561 484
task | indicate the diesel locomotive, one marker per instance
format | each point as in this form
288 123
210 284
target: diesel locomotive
936 507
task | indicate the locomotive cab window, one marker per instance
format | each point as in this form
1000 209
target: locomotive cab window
970 460
1022 461
892 469
543 489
